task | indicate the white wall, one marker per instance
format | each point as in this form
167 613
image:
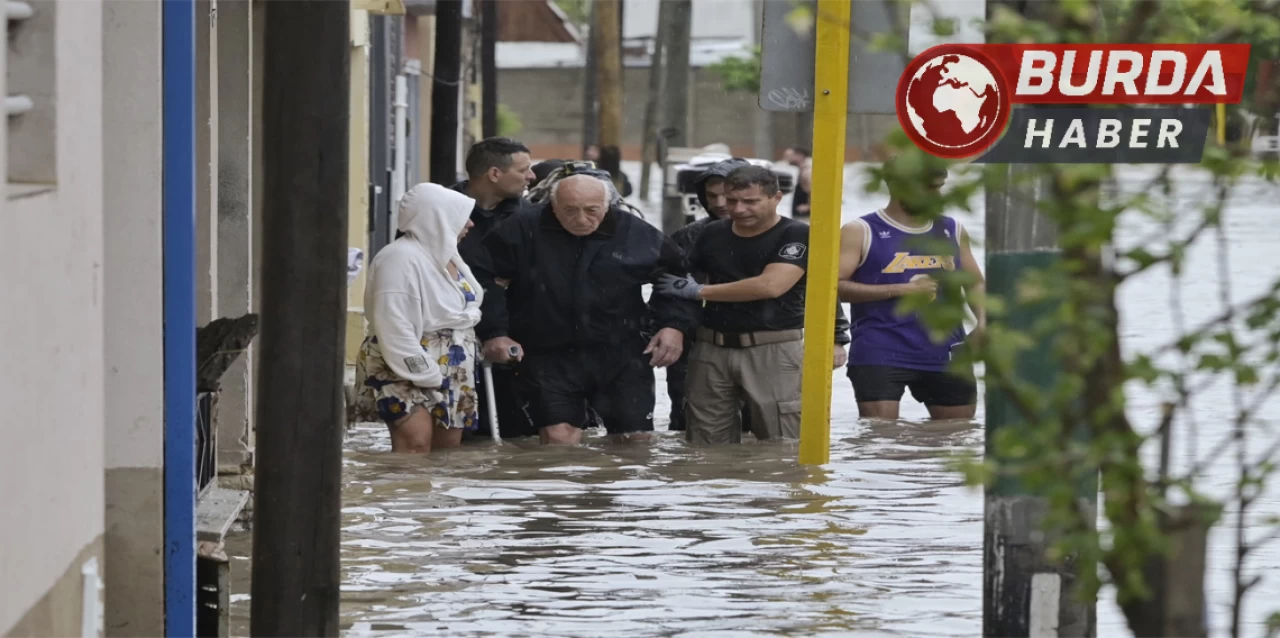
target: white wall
51 339
134 296
134 349
711 19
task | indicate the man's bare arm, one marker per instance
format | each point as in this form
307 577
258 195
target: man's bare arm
974 292
852 242
774 282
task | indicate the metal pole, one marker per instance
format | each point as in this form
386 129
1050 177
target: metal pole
493 402
298 481
400 163
445 92
590 97
651 120
179 263
675 94
489 67
830 116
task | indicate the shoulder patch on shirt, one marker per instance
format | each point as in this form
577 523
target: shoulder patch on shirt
793 251
416 364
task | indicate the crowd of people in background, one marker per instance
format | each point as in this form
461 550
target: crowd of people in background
540 270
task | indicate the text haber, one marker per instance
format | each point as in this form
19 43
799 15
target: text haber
1110 134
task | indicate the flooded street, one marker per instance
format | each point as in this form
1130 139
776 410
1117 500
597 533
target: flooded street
668 540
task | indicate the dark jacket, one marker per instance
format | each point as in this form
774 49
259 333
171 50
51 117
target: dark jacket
485 220
566 291
686 237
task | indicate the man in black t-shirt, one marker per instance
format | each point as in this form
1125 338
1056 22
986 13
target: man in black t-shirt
750 343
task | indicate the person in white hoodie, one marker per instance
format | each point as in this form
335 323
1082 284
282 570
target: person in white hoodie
417 369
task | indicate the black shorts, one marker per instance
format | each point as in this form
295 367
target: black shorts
886 383
513 422
566 386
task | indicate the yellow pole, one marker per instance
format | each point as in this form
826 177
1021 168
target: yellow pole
831 83
1222 124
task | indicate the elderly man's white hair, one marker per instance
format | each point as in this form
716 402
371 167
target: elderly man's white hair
606 188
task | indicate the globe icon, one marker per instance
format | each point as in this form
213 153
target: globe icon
953 101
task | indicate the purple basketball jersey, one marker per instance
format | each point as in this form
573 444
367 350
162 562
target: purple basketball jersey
893 254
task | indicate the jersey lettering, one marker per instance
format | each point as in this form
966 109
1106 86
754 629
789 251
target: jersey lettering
903 262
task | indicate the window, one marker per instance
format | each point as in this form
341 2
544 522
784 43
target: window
29 92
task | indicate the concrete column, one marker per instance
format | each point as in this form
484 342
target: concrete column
206 161
358 176
134 348
427 54
235 264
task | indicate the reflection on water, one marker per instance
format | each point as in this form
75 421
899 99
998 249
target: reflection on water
667 540
664 539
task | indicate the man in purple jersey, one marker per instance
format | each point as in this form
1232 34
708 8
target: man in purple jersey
889 254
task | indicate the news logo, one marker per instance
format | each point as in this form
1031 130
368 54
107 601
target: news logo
1082 103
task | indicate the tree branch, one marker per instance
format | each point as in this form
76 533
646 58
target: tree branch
1231 314
1177 247
1143 11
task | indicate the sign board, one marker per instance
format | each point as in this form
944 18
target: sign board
787 54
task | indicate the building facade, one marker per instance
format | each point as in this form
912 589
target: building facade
53 321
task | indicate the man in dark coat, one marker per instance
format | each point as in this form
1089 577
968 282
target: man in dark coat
574 315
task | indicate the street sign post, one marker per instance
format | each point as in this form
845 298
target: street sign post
789 32
788 61
830 116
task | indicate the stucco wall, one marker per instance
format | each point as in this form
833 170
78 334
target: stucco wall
51 340
133 298
552 126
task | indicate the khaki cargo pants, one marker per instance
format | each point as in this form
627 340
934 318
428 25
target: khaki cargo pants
727 370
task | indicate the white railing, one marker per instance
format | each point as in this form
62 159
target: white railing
18 10
17 105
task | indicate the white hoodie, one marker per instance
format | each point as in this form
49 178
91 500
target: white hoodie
410 292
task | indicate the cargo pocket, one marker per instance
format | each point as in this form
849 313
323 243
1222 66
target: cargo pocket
788 420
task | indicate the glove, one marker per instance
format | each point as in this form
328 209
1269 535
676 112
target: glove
683 287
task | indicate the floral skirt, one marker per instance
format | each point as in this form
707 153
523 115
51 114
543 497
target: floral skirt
386 397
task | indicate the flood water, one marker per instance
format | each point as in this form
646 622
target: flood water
668 540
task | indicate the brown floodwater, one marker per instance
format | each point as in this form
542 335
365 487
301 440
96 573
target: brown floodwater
669 540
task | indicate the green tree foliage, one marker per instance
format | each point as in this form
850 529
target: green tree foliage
579 11
509 123
1079 427
738 73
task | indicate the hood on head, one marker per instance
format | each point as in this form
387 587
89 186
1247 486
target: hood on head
720 169
433 216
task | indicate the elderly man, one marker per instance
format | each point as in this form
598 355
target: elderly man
573 314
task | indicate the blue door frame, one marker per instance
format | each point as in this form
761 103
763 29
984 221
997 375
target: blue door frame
179 263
